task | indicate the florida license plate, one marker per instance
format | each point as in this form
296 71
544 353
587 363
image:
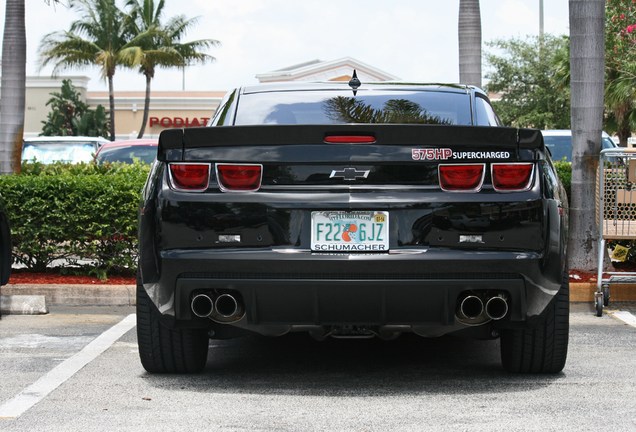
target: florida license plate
350 231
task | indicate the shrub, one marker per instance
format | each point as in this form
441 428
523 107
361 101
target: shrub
564 171
83 214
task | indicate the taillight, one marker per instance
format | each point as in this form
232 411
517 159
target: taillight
349 139
461 177
191 177
239 177
511 177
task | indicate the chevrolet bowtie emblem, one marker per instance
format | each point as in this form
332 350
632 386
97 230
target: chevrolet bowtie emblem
350 174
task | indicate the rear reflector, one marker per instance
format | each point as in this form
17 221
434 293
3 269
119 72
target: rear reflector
191 177
511 177
461 177
350 139
239 177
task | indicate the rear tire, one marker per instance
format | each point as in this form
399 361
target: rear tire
542 348
163 349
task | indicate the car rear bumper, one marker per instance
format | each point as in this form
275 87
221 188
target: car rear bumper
292 288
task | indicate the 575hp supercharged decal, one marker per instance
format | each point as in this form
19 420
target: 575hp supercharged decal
432 154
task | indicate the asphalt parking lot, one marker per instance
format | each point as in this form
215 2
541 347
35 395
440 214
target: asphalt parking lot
293 383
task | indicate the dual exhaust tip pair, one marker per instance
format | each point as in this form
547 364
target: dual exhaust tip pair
475 309
222 308
471 309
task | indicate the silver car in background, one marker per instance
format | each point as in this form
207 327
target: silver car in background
70 149
559 142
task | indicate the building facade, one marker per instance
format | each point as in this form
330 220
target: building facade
178 108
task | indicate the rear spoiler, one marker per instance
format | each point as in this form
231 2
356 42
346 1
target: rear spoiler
174 142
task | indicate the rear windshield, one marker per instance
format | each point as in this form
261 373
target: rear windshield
129 154
337 107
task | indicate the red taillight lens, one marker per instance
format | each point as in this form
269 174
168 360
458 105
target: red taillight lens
461 177
511 177
239 178
350 139
192 177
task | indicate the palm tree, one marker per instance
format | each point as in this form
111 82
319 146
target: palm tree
587 60
619 100
100 37
13 87
160 45
469 33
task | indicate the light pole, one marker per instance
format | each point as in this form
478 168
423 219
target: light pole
541 19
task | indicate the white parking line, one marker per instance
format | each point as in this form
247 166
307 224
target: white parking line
626 317
37 391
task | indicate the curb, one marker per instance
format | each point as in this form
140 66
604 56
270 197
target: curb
76 294
34 298
584 292
23 305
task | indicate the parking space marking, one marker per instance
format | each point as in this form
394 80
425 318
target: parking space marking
626 317
37 391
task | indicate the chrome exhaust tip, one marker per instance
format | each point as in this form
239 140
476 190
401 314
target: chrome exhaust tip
228 308
497 307
202 305
226 305
471 307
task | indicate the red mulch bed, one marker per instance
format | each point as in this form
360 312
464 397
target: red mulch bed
577 276
22 277
583 276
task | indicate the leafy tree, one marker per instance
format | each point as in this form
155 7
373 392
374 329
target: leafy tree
70 116
100 37
93 122
528 74
162 44
620 68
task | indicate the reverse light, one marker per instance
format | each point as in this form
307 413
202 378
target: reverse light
461 177
190 177
239 177
349 139
511 177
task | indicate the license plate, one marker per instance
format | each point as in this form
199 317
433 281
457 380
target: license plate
350 231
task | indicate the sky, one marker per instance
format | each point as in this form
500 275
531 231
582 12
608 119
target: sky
415 40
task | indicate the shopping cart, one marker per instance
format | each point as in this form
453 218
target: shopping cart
616 198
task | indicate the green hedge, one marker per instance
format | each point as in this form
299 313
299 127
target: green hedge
85 215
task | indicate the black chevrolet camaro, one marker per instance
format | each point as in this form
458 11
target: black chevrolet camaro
353 212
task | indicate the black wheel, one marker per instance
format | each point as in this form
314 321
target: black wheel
163 349
606 295
599 304
542 348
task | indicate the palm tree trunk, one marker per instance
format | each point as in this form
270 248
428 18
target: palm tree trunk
111 103
587 60
13 87
469 35
142 129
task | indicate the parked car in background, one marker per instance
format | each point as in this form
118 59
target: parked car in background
144 150
71 149
5 247
559 142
